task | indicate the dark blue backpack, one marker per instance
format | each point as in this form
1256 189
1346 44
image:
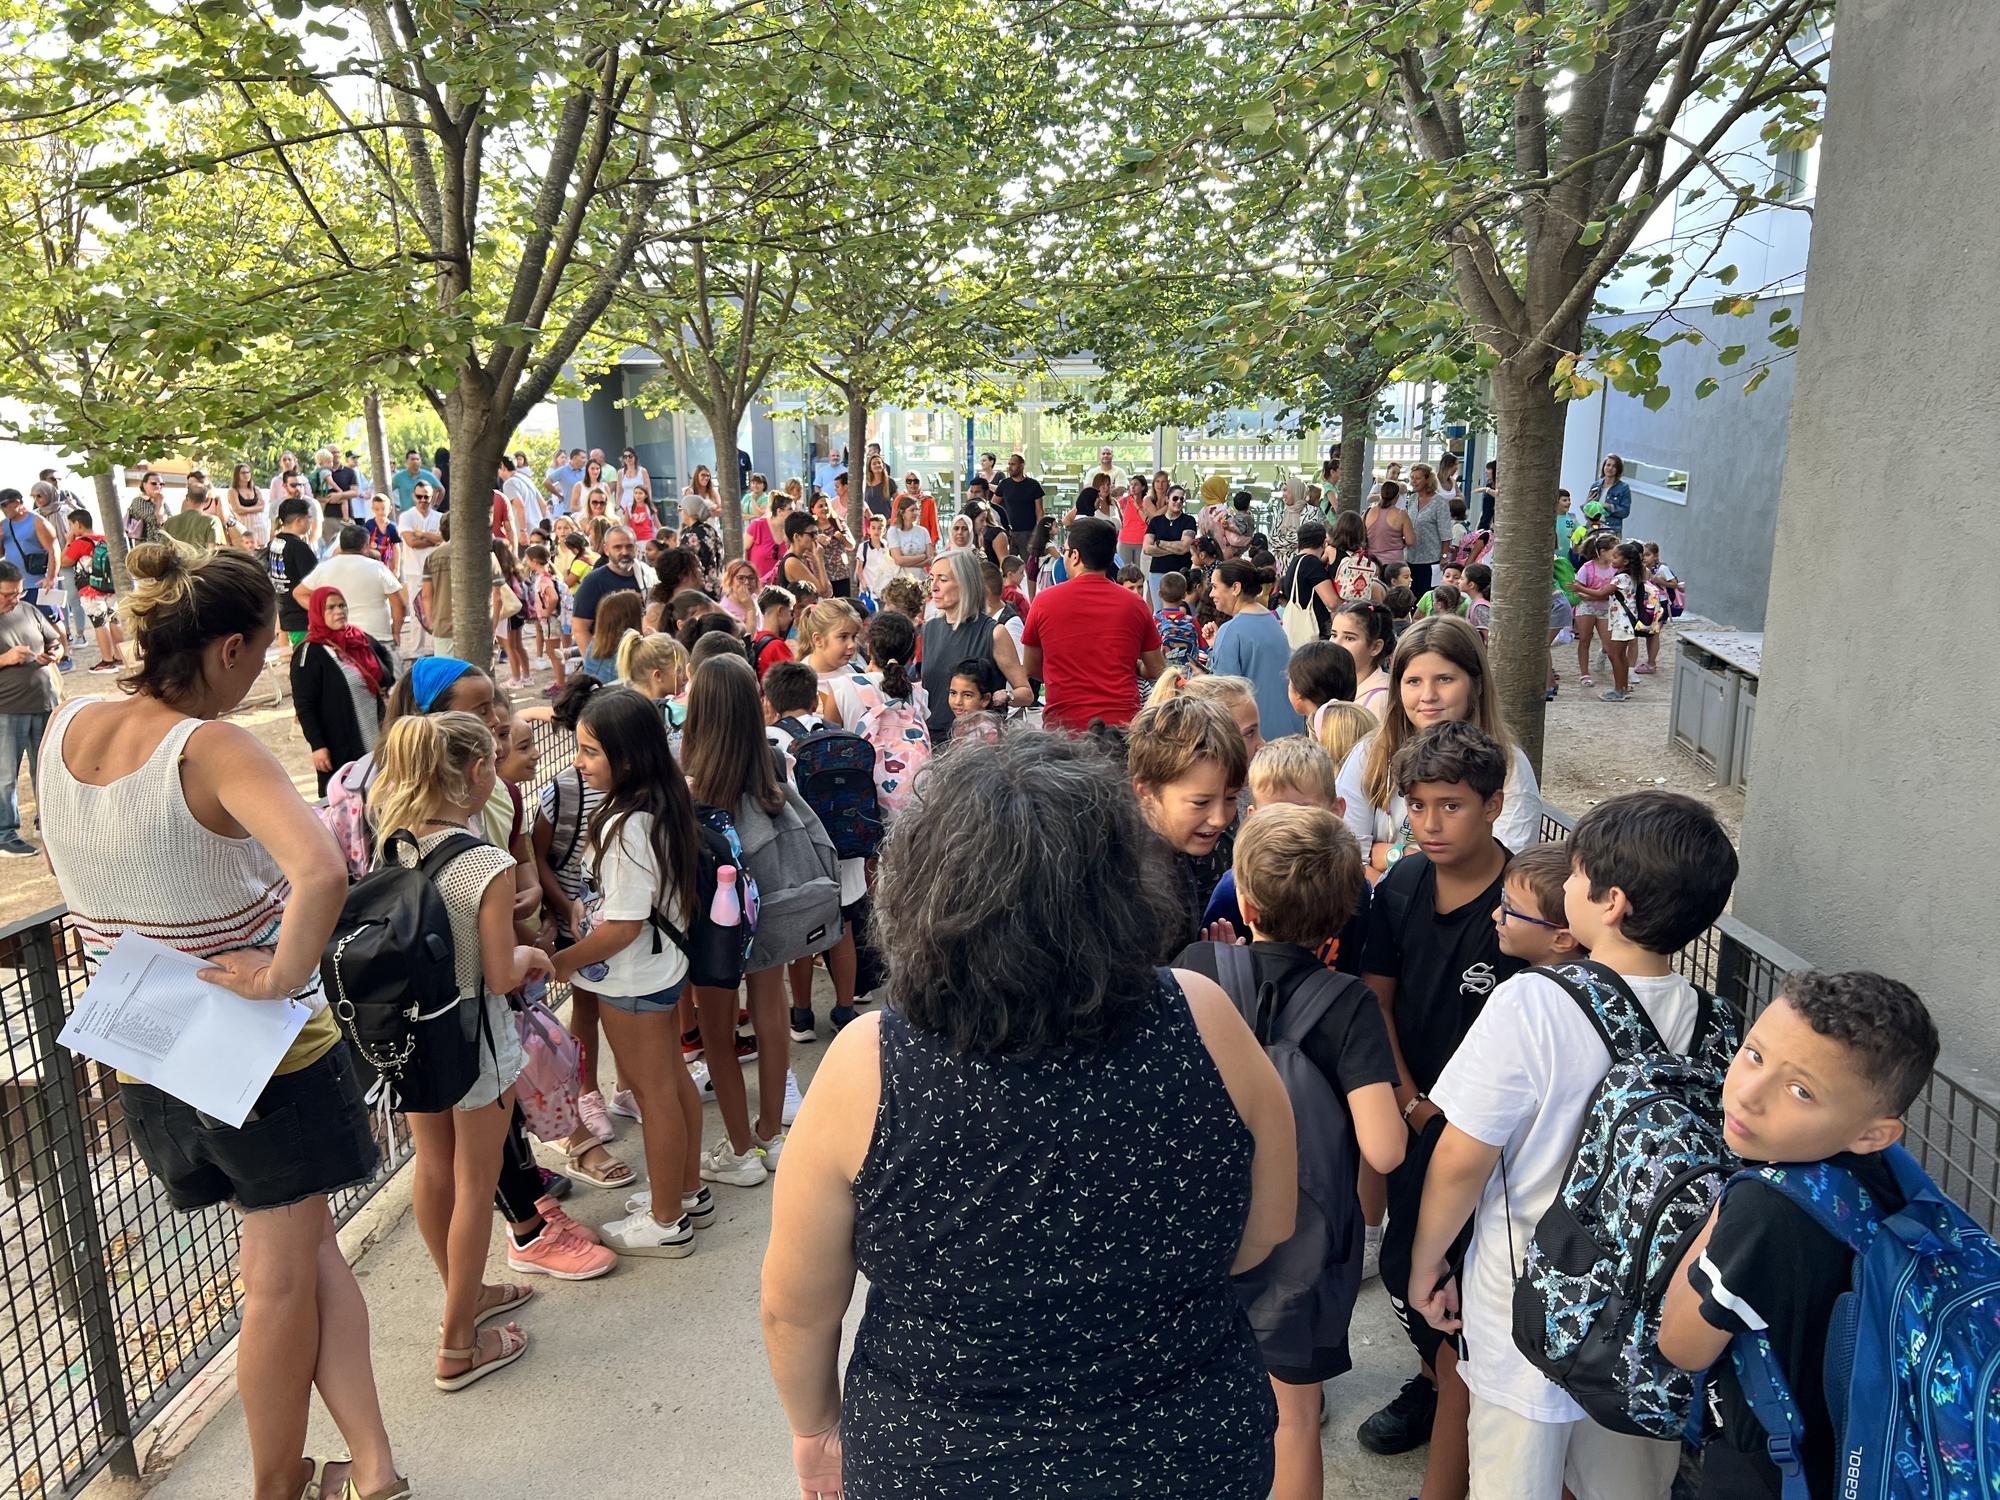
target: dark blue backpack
1648 1165
1913 1354
834 770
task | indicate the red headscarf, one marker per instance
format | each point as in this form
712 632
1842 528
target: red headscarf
349 643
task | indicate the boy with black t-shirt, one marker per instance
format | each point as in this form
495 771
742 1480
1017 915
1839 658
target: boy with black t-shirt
292 558
1298 879
1433 957
1825 1074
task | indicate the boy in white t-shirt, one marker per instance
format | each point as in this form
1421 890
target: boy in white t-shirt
1649 871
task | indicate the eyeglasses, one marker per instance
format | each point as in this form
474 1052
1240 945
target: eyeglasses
1513 914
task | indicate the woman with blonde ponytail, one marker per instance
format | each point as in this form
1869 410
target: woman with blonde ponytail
164 821
434 774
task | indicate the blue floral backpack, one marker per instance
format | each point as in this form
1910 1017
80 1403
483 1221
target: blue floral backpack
1648 1165
1913 1354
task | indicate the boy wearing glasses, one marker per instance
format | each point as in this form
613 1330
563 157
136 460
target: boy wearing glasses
1530 918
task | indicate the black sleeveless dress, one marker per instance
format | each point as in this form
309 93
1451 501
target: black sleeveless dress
1047 1246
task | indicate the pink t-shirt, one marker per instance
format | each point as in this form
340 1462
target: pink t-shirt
1594 575
765 550
1131 522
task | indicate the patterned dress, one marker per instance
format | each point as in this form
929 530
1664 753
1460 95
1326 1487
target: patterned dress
1047 1245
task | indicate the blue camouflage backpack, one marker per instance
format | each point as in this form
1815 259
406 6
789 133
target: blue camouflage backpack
1648 1165
834 770
1913 1354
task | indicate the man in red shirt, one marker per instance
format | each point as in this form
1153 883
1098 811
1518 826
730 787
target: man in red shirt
1089 639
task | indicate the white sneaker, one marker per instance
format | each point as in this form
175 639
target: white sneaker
698 1206
703 1084
640 1233
621 1102
1371 1251
792 1097
770 1150
721 1164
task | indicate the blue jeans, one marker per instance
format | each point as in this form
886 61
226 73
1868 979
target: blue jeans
20 734
79 623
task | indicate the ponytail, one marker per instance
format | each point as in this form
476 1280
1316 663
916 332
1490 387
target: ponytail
892 645
424 759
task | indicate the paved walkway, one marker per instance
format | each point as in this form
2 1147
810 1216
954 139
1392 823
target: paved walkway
652 1380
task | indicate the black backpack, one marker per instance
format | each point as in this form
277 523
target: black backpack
758 644
1301 1298
388 968
715 954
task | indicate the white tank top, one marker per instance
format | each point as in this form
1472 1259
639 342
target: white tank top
131 856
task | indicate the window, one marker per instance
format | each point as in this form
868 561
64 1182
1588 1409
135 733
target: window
1657 481
1790 169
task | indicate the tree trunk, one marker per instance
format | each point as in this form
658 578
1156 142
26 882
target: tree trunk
378 446
1357 420
722 427
111 517
476 445
1528 420
857 462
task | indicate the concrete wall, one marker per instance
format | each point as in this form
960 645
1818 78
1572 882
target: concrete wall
1872 835
1731 445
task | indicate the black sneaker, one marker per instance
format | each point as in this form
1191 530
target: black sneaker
802 1026
1405 1423
17 846
842 1014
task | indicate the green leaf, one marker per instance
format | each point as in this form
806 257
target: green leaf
1706 388
1756 380
1592 232
1727 276
1258 117
1658 397
1730 355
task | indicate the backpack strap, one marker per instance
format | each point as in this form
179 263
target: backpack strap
1771 1402
1236 972
1614 1011
576 827
791 725
1832 1197
449 848
1309 1002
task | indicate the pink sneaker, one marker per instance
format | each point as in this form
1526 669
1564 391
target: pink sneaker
595 1117
560 1253
1644 669
622 1103
552 1214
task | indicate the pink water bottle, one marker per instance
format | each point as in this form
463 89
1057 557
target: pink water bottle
726 910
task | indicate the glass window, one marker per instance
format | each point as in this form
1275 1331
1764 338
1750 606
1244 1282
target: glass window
1657 480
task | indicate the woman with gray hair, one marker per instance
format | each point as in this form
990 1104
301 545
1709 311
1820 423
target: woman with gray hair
961 632
1047 1156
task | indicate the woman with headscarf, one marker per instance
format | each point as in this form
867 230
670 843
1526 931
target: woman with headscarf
1214 506
1291 511
341 677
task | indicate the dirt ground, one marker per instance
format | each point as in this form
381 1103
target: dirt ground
1594 750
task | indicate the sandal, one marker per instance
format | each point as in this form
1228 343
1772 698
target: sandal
626 1178
514 1294
513 1344
400 1490
317 1477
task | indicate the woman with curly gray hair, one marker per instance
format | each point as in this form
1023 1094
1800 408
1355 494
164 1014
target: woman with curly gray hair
1047 1156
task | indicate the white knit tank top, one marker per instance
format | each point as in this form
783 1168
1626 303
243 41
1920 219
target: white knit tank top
131 856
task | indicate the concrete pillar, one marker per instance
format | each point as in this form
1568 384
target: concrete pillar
1872 833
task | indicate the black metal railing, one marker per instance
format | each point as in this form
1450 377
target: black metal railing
115 1300
1951 1129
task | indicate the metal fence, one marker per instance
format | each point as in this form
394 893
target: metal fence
1951 1129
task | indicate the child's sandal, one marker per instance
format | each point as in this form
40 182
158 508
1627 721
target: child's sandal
583 1174
513 1344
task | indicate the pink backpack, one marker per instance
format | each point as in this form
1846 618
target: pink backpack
902 742
345 814
548 1085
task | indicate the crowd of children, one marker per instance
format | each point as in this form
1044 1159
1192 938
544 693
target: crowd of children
1373 893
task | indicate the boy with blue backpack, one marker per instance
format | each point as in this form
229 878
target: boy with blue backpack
1542 1075
1818 1092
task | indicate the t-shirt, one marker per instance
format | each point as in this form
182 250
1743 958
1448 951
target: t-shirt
1091 634
775 650
1769 1267
345 478
292 560
1350 1045
1170 529
764 550
1445 964
28 688
411 559
1252 644
1523 1082
597 583
520 487
437 573
366 585
404 483
629 890
1307 572
1018 498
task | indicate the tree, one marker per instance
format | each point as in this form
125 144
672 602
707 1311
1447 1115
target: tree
518 152
1531 141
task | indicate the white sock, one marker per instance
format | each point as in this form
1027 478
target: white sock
1374 1232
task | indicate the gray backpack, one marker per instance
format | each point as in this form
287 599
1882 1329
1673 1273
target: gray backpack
1301 1298
791 858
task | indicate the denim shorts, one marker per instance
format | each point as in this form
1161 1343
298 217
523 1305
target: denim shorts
642 1005
307 1134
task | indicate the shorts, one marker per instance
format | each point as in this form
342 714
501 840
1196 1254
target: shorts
1327 1364
1562 614
1406 1196
516 623
306 1135
1513 1455
501 1060
1620 624
657 1003
97 609
1592 609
